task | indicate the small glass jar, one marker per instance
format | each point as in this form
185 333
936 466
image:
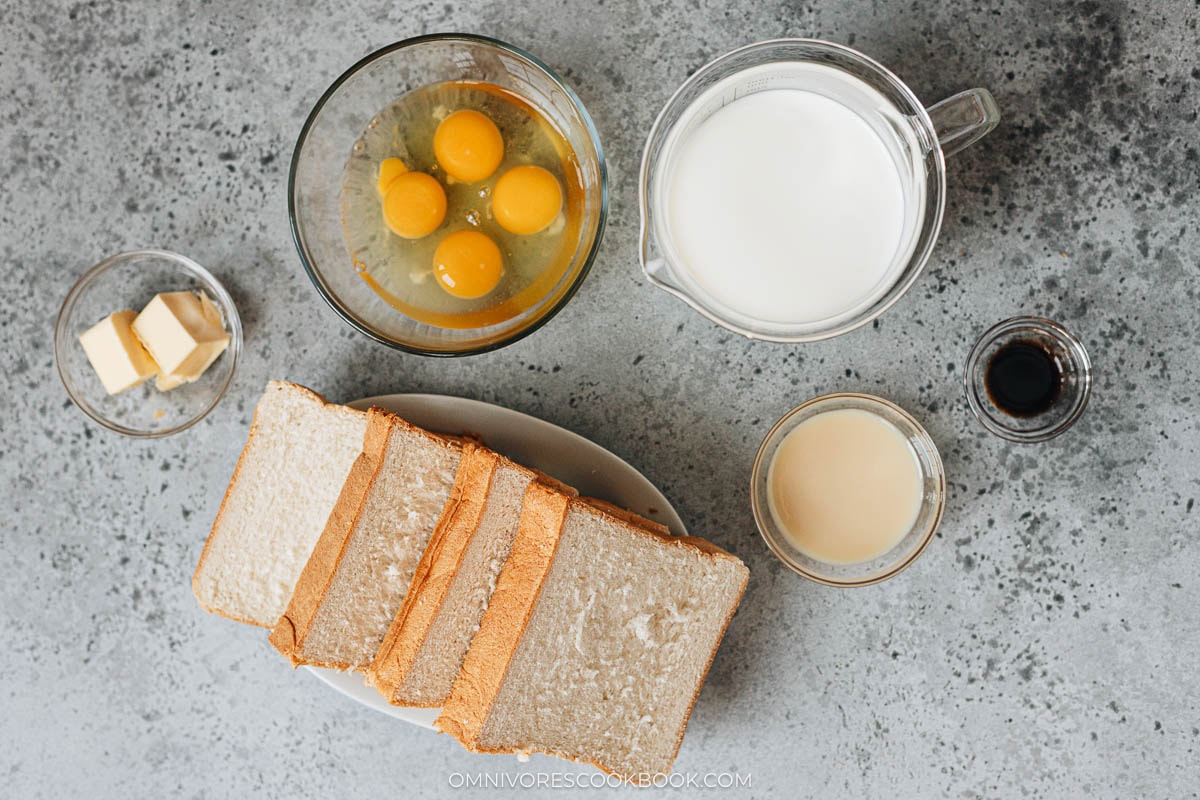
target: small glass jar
1070 361
909 546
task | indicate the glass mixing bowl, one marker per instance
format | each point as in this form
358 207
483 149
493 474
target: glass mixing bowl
339 119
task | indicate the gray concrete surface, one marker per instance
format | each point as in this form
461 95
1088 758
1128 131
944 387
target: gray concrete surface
1046 644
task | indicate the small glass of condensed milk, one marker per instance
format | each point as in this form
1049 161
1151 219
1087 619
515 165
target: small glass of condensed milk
847 489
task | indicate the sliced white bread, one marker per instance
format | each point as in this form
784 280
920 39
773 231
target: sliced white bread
423 651
361 567
287 479
596 641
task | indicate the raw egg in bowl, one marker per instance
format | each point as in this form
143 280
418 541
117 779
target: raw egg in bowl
448 194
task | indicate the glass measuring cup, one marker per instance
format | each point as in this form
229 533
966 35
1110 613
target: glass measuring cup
918 140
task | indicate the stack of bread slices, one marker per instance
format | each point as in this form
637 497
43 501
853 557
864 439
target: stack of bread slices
539 621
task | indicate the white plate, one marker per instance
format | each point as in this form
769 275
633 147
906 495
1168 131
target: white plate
572 459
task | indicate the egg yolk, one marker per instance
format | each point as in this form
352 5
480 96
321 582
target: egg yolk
415 205
526 199
467 264
389 170
469 146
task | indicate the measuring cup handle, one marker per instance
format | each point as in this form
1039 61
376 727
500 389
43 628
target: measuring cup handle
964 119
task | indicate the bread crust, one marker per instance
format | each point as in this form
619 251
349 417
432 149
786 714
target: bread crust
434 574
710 549
438 569
322 567
707 550
625 515
475 690
304 394
288 634
543 511
658 530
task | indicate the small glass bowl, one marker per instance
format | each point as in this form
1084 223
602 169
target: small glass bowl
1071 359
339 119
129 281
910 546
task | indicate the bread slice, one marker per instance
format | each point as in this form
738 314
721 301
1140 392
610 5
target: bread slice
286 481
596 641
362 565
425 645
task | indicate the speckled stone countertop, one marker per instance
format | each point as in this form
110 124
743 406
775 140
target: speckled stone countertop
1046 644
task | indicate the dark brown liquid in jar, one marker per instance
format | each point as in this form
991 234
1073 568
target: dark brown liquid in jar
1023 379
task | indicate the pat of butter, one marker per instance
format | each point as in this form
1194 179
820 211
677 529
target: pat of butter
115 353
183 333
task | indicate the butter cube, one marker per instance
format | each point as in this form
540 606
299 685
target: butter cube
183 333
115 353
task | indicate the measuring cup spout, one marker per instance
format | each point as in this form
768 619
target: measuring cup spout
660 272
654 263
